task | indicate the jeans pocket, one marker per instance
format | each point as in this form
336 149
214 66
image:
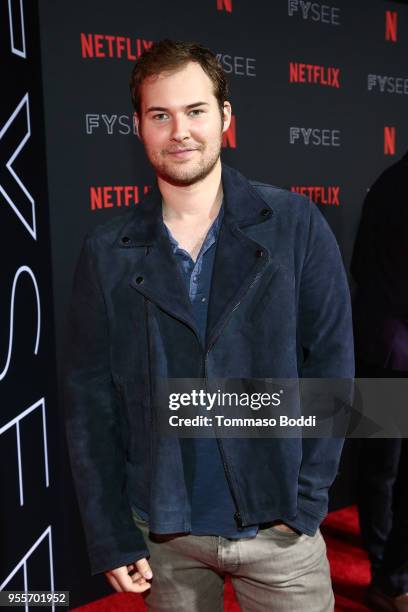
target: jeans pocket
137 518
280 533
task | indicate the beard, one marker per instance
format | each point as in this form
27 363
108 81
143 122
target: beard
180 173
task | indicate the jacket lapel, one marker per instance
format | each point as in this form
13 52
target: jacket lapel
239 261
155 273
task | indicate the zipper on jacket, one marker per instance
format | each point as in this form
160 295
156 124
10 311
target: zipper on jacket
237 515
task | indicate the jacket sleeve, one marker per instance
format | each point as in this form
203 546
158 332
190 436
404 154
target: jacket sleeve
93 426
326 337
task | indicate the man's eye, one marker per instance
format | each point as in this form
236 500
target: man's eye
196 111
160 116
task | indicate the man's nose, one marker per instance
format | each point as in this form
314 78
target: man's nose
180 129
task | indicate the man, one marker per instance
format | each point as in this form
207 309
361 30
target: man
381 331
212 276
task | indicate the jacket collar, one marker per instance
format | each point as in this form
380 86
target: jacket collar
243 207
156 274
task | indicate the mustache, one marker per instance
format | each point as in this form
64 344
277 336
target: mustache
180 149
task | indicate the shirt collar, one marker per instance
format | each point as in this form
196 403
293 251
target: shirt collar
210 238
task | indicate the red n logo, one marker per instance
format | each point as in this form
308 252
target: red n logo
391 18
87 45
389 140
224 5
229 138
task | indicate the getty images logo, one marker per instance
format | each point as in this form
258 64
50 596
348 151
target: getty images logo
314 11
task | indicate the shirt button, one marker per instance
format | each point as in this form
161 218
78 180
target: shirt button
203 299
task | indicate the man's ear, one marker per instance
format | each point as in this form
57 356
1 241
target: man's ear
136 123
227 112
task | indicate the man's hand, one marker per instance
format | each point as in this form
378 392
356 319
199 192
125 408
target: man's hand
285 527
131 578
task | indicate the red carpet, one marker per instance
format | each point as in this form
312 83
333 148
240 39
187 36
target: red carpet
348 563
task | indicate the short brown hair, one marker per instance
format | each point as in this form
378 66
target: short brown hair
168 55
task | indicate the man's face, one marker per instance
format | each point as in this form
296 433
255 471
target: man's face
181 125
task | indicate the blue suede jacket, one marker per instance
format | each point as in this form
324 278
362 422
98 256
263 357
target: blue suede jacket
279 307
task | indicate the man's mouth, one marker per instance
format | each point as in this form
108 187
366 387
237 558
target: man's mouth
182 152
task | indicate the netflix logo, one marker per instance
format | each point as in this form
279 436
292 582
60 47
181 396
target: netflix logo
224 5
312 73
389 140
229 138
391 25
115 196
328 196
99 46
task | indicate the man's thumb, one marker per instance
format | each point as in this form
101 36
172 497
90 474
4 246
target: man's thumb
144 568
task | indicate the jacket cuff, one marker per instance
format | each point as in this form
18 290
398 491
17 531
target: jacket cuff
306 521
117 551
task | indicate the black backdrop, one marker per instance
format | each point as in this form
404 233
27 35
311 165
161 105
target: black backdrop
88 50
319 92
30 539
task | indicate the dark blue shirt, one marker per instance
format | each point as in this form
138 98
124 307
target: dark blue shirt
212 504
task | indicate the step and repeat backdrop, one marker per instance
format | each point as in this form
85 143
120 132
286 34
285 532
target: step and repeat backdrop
319 93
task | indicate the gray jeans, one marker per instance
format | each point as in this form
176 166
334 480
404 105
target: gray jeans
273 571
